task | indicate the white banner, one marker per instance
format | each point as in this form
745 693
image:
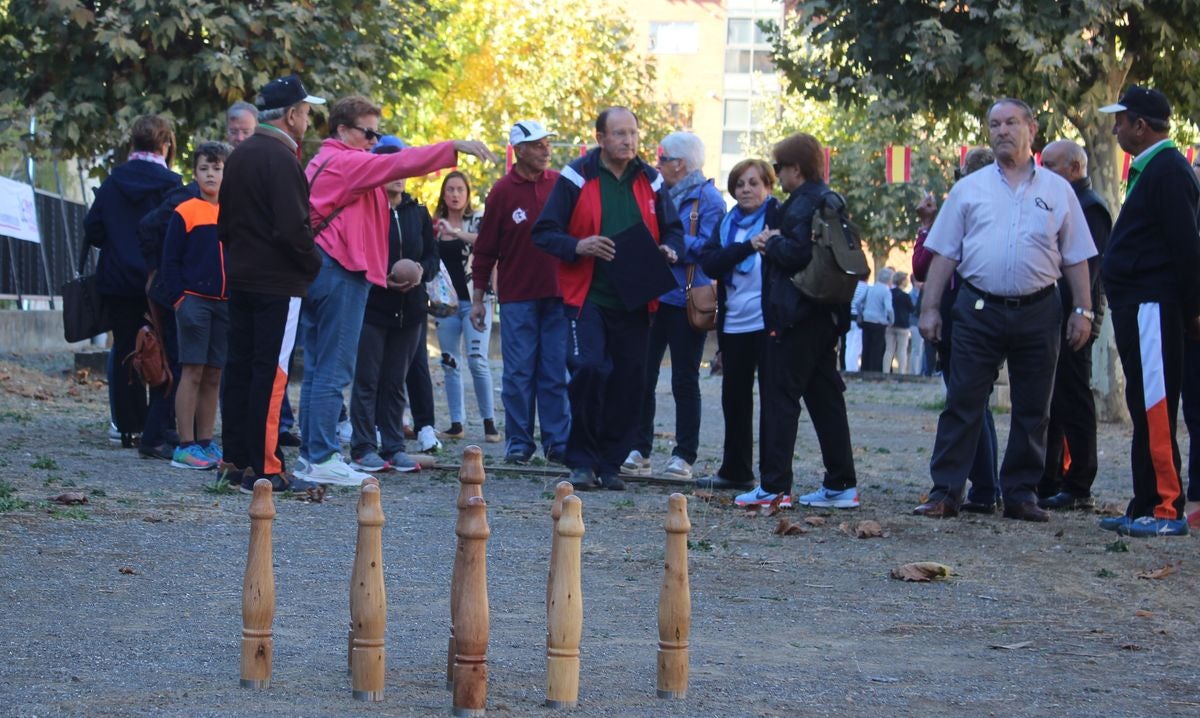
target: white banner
17 216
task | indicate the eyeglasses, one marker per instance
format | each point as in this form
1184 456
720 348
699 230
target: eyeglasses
665 159
777 166
370 134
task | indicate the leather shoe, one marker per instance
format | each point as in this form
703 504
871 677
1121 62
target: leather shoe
1025 511
718 482
937 509
1065 501
978 507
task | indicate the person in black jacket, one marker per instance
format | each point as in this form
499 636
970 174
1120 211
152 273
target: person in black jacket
391 334
802 337
130 192
1150 270
271 261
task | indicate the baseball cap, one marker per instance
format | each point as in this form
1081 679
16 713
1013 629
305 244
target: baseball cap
388 144
527 131
285 92
1142 101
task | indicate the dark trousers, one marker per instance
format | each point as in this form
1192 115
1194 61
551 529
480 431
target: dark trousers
160 415
802 364
606 355
419 383
1150 344
874 339
1028 337
669 328
1071 436
1191 412
742 357
128 397
377 396
262 333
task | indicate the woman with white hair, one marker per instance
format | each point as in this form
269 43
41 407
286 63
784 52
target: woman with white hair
700 207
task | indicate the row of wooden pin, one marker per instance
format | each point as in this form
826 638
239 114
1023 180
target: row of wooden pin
466 659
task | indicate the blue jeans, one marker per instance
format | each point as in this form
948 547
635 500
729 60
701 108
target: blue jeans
454 333
330 323
533 343
670 328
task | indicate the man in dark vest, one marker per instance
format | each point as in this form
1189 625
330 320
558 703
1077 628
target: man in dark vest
1071 438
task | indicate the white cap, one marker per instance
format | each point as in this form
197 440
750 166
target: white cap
527 131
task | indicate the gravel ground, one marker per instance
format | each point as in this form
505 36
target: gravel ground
129 605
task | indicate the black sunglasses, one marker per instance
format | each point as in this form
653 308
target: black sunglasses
370 134
777 166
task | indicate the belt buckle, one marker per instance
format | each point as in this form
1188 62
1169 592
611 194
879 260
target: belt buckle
1013 302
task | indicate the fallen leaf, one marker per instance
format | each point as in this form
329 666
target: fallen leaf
868 529
1131 647
1111 508
70 498
789 528
152 519
1012 646
775 506
127 571
1162 572
1143 613
921 571
814 521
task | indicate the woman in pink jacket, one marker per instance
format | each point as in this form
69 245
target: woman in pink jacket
348 208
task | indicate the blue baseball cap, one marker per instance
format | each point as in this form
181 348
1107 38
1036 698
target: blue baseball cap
388 144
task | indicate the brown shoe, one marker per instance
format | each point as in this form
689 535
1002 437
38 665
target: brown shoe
937 509
1026 511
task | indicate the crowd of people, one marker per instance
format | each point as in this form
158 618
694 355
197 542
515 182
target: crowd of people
261 253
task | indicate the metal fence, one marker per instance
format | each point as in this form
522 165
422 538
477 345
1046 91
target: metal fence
38 271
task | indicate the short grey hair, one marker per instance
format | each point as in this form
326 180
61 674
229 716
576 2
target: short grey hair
272 115
885 276
241 107
685 146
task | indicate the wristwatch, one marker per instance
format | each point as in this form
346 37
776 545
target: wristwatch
1087 313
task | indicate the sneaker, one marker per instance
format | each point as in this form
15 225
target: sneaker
1113 523
636 465
758 497
427 440
288 439
192 457
583 479
716 482
454 432
1066 501
114 434
827 499
302 467
214 452
369 461
1147 526
678 468
490 433
162 451
557 456
333 470
612 482
344 431
401 462
279 483
519 458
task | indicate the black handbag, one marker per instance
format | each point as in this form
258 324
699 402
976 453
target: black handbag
84 315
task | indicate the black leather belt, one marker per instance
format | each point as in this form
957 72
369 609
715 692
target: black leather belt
1012 302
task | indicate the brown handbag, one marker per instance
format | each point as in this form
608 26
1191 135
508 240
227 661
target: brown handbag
149 358
701 298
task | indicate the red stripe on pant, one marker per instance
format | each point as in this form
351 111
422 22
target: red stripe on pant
271 463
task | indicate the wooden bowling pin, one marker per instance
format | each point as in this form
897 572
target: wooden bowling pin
471 618
370 480
565 617
258 592
561 490
674 604
368 601
470 483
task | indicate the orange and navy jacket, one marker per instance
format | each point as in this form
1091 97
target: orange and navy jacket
573 211
193 259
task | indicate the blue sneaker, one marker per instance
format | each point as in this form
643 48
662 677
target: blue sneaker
1113 523
192 457
828 499
1147 526
214 452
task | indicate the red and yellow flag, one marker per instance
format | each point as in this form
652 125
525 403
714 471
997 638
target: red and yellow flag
897 164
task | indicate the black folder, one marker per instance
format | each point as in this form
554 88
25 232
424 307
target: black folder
639 272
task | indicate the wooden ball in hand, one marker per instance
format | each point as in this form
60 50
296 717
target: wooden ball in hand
406 272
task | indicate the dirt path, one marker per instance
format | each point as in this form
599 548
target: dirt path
130 604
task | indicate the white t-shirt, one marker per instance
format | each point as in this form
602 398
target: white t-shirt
743 301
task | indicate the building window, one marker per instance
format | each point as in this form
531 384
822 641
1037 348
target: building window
674 38
748 49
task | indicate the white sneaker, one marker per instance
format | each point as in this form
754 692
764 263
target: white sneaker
678 468
428 441
826 499
334 470
636 464
114 434
345 432
758 497
300 470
